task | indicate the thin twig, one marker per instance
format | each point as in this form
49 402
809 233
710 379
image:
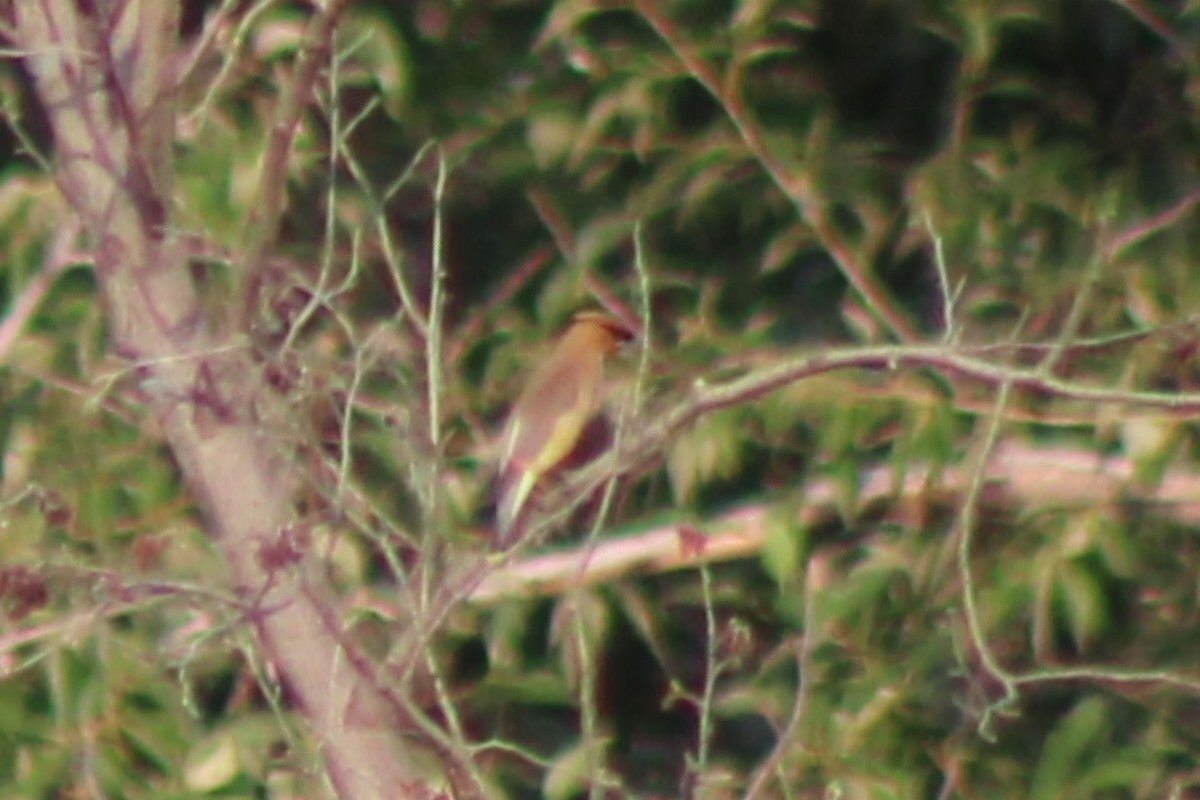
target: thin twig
437 310
194 59
712 671
806 202
788 741
391 255
467 333
966 530
1139 231
262 226
1080 304
1152 22
629 409
951 333
25 302
564 237
1033 476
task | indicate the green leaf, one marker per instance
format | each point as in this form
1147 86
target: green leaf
581 626
1116 543
785 246
1150 443
784 546
1082 602
710 450
550 134
1063 763
213 763
571 772
379 58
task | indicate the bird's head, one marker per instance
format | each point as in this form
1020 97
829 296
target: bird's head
607 331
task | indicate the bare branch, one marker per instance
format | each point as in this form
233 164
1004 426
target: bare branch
1035 477
59 255
798 189
218 416
267 209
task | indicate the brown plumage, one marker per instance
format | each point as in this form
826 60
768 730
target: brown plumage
551 413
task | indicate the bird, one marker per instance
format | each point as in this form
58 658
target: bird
551 414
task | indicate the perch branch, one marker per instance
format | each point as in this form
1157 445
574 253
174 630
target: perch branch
1033 476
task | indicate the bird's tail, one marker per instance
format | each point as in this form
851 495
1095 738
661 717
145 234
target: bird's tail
513 488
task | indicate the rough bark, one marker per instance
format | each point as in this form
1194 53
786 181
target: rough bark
103 72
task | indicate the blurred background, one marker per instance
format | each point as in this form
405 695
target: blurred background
1011 181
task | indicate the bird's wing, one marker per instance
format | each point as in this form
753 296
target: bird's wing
563 405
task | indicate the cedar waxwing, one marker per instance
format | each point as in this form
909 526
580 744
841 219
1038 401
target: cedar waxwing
553 410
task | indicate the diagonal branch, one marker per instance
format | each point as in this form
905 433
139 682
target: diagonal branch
1035 477
219 417
648 440
262 226
798 189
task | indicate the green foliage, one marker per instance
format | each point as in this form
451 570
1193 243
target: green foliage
794 168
